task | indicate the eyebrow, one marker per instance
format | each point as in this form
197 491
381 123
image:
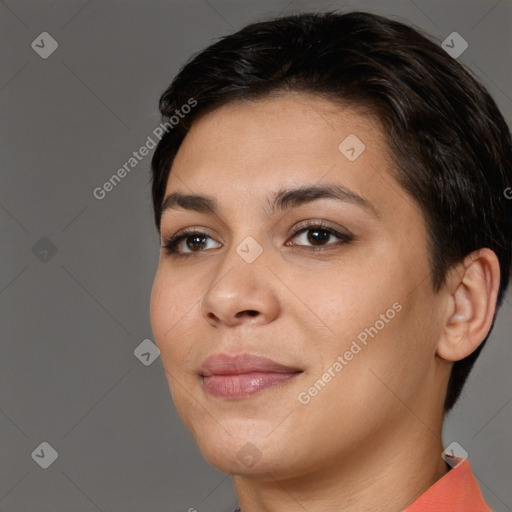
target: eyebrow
282 200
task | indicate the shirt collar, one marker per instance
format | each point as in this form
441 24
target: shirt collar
457 491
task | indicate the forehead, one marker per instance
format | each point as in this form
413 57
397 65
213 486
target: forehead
289 126
248 149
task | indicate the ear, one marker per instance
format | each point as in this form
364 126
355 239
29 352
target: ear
472 290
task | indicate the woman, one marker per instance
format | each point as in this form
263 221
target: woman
335 246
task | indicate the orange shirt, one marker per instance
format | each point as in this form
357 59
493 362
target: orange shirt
457 491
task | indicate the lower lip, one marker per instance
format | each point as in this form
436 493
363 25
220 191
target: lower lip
244 384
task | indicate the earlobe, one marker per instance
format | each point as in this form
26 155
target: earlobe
473 289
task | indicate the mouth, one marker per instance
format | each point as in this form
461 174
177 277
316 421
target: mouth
241 375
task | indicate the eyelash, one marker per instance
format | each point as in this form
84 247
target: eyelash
170 245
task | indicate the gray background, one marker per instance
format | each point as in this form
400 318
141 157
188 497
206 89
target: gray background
70 323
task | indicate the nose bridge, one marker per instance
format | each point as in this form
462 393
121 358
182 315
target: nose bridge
241 267
247 238
239 285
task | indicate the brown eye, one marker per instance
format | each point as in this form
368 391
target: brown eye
194 242
187 243
319 235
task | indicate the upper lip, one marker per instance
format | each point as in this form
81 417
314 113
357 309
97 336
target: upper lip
234 364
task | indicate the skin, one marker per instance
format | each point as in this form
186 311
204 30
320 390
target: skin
371 438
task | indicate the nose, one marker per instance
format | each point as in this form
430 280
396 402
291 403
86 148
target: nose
241 293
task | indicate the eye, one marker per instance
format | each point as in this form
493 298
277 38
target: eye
191 239
318 234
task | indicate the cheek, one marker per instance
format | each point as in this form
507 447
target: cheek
168 313
396 361
348 302
169 307
158 311
374 308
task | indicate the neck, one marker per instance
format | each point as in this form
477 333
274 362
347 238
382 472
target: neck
385 475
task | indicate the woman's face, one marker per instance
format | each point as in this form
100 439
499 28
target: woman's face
352 315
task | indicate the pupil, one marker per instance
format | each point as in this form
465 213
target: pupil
315 238
196 238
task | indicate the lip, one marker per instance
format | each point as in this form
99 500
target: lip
240 375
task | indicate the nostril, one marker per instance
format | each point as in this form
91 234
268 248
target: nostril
249 312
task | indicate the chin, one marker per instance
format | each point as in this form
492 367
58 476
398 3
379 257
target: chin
236 454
